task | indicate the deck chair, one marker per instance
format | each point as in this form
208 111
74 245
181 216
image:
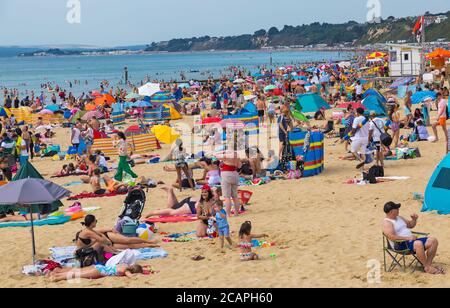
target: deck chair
399 255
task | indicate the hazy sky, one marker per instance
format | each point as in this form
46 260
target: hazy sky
126 22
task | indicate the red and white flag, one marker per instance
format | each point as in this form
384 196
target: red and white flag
419 27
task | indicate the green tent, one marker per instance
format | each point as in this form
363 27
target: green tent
28 171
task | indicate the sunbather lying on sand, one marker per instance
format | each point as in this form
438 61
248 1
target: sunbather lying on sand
95 272
24 217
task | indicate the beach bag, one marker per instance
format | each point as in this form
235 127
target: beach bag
385 138
369 177
377 171
87 257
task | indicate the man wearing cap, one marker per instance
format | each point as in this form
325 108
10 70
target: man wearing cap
397 228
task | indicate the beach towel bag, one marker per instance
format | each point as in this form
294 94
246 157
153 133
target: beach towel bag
385 138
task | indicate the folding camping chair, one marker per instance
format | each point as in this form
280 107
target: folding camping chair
399 254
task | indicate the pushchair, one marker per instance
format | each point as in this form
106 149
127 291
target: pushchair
131 212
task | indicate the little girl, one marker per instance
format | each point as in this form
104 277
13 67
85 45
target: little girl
246 237
96 272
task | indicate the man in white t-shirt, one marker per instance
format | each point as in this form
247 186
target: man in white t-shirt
358 90
76 133
360 141
376 128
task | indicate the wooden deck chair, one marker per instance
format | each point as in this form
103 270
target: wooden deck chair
399 254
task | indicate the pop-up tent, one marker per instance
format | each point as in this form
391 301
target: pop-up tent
311 102
373 104
437 193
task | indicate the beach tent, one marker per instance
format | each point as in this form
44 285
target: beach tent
174 113
141 144
437 193
311 102
373 92
314 162
373 104
250 108
149 89
422 96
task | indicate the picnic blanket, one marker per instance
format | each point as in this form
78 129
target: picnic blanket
59 220
66 255
93 195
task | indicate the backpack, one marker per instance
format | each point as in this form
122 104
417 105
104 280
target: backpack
377 171
87 257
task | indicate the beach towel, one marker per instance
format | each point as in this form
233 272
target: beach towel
172 219
66 255
59 220
93 195
67 175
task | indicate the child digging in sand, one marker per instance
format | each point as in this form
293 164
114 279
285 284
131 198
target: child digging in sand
246 237
222 224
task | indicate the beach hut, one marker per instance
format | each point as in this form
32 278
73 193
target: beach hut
405 60
314 153
437 193
311 102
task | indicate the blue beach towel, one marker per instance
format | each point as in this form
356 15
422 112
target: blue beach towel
43 222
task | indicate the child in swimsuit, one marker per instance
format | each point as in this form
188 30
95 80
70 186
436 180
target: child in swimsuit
96 272
245 245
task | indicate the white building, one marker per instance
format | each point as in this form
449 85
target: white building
404 60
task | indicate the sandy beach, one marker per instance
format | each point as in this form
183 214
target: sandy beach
325 231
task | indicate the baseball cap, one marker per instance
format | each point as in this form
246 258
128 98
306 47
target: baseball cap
391 206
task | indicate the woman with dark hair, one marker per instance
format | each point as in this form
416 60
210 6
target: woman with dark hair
107 240
204 210
121 145
395 118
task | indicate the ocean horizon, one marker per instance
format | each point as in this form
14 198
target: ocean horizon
28 73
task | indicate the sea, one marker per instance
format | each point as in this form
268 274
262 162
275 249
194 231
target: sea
29 73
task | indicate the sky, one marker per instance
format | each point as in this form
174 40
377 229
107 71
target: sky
107 23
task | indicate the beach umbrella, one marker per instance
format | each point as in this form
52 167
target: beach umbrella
164 134
90 107
376 55
43 192
96 94
270 88
89 115
134 130
422 96
311 103
5 112
438 53
108 99
149 89
132 96
46 111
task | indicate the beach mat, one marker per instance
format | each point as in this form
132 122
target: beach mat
59 220
172 219
66 255
92 196
67 175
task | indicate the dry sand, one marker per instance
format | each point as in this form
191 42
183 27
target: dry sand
325 231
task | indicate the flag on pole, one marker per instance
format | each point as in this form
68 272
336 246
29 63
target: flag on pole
418 28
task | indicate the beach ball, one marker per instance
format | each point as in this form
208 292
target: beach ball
144 232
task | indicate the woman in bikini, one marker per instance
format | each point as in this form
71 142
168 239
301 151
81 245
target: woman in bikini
204 210
107 239
395 118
